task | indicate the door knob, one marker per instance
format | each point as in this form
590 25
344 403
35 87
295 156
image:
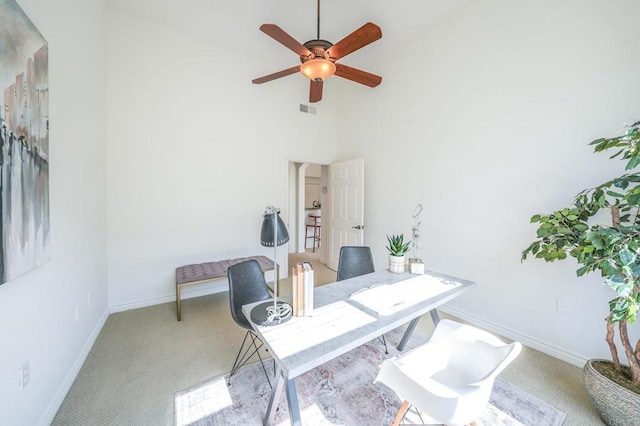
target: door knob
358 227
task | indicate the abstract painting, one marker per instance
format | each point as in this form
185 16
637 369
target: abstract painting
24 143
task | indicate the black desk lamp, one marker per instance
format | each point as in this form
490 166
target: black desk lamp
273 234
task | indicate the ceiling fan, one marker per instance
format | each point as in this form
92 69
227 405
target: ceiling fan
319 57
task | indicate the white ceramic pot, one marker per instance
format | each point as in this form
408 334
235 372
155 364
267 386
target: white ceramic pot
396 264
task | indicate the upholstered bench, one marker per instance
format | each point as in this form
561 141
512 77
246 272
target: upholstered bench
211 271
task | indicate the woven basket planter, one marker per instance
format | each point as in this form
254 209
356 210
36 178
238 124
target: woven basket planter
616 405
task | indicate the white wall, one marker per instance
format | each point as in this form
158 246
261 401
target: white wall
195 153
488 114
37 310
487 119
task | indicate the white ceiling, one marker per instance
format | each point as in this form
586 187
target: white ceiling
234 24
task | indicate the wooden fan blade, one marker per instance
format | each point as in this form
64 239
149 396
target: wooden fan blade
279 35
357 75
275 75
366 34
315 91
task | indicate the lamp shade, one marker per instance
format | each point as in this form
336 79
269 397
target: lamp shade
267 232
318 69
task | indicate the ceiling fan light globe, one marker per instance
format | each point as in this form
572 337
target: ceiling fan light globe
318 69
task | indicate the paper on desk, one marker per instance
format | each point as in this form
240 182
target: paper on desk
327 323
386 299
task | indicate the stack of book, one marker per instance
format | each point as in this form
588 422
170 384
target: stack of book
302 274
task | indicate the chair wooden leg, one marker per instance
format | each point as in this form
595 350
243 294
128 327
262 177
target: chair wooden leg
401 413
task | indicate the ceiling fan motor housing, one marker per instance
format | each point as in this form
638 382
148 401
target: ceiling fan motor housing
319 49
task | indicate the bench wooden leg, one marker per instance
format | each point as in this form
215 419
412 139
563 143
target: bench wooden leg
178 314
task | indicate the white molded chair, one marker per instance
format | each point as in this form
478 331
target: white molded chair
450 377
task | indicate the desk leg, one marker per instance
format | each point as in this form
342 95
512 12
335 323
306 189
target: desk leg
434 317
270 415
292 401
412 325
408 333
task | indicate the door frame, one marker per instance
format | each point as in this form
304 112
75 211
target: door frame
295 205
296 208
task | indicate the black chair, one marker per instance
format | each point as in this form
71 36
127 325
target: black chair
353 262
246 285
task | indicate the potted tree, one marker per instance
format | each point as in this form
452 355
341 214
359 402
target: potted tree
397 249
614 251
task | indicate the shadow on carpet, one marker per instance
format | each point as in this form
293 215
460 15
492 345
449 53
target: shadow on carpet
340 392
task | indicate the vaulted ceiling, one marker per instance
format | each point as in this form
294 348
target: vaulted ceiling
234 24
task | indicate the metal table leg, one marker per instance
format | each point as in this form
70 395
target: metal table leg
292 401
270 415
434 316
408 333
412 325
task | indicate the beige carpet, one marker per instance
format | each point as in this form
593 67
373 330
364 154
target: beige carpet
143 357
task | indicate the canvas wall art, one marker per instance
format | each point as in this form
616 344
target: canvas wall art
24 143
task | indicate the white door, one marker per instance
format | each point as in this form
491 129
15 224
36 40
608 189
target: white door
346 207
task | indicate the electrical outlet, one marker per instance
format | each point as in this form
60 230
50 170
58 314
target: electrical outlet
23 376
77 314
562 305
88 299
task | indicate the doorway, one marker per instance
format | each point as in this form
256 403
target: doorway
307 197
336 192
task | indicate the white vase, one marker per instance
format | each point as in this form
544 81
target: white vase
396 264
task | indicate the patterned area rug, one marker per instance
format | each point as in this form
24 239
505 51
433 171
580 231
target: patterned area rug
340 392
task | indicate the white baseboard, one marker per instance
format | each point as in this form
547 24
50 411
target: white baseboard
539 345
54 406
186 293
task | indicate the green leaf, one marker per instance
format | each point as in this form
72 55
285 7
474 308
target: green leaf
627 257
607 269
615 194
635 160
617 153
621 183
598 243
542 233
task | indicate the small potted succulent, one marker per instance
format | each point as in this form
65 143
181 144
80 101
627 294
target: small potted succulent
397 249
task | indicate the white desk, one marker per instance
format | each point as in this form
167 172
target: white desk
340 324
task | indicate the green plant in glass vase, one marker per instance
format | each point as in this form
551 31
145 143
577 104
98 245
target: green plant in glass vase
611 249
